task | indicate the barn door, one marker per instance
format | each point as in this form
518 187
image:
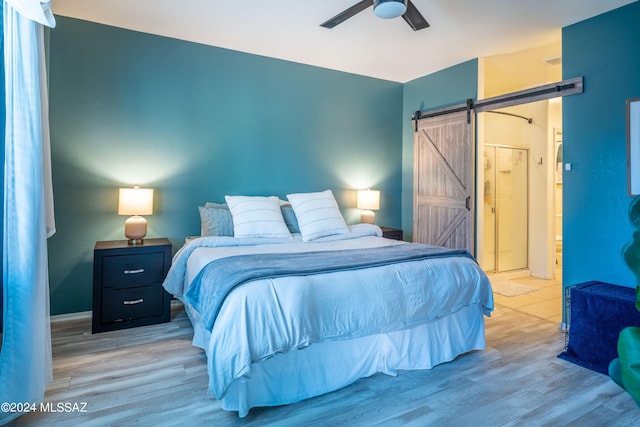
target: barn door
444 176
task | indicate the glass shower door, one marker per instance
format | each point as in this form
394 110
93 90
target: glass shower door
490 210
506 209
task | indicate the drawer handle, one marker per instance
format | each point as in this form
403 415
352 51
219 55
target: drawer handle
140 270
133 302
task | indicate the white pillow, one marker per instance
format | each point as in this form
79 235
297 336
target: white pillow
318 215
256 216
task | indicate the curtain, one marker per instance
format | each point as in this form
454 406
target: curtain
25 357
34 10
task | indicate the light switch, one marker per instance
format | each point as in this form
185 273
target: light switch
567 166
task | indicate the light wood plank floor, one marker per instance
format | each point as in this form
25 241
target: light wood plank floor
545 303
152 376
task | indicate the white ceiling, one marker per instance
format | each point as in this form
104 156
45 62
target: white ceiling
366 45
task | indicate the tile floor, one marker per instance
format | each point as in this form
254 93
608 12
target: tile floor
545 303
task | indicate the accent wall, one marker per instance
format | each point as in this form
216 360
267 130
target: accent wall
197 122
604 50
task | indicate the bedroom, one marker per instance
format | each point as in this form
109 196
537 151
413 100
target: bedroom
92 65
274 118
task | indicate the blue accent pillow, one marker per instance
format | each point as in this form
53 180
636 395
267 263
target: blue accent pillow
215 220
290 218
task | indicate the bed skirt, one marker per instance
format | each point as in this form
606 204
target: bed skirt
328 366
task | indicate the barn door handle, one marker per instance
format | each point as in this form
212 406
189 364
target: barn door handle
468 203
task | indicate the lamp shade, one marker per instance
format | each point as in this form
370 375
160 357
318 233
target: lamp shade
368 199
135 201
389 9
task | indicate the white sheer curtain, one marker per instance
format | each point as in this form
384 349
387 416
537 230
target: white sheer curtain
25 357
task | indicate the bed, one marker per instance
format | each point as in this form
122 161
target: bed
292 311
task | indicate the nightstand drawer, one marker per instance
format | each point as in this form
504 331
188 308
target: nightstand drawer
126 271
391 233
134 303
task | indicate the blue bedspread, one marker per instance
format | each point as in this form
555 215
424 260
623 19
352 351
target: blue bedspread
210 287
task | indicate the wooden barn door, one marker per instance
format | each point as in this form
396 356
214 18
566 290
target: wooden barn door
444 176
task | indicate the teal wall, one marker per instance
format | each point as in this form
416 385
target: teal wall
452 86
195 123
605 51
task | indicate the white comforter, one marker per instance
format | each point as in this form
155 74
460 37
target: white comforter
265 317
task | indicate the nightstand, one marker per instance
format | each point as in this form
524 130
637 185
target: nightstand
391 233
127 284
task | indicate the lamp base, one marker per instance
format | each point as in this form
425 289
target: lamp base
135 228
368 217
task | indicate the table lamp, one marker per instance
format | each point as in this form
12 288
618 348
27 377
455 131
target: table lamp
135 201
369 200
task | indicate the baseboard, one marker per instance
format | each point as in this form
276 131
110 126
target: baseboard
70 316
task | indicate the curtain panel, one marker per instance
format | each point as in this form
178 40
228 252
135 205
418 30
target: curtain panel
25 356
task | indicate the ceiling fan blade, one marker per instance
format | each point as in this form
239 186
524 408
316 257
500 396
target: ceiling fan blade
348 13
414 18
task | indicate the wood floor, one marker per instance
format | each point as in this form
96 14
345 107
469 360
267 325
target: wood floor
152 376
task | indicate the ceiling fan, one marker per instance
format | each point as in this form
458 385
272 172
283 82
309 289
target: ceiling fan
383 9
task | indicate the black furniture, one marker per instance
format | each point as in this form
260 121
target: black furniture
127 284
391 233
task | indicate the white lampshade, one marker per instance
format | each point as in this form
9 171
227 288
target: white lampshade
369 200
388 9
135 201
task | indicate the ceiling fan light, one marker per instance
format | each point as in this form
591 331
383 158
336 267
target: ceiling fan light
388 9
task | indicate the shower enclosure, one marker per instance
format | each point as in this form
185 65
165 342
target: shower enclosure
506 208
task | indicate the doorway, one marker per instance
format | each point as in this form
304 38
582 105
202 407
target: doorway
528 126
519 187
